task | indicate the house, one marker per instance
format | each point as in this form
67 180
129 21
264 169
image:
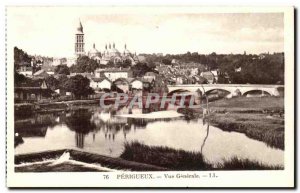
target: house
238 69
25 69
40 74
147 84
100 84
48 68
180 79
136 84
174 61
141 58
84 74
32 91
194 71
216 74
170 81
113 73
150 75
199 80
209 76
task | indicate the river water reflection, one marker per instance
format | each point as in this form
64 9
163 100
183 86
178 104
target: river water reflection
102 131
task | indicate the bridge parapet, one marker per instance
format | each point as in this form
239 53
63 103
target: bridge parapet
232 88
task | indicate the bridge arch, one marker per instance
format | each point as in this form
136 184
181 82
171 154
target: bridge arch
217 89
122 85
280 90
257 92
178 91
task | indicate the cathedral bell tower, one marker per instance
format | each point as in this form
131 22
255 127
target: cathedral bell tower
79 41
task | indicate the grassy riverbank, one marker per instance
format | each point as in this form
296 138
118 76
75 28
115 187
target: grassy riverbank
260 118
164 157
248 105
181 160
256 126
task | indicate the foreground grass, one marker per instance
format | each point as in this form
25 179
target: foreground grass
174 159
245 164
164 157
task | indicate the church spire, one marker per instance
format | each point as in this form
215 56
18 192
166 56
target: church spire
114 45
79 40
125 46
94 46
80 28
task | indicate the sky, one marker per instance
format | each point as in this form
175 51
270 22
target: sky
50 31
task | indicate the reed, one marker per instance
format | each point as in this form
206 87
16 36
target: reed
245 164
166 157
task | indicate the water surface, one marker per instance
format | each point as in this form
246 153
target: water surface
104 131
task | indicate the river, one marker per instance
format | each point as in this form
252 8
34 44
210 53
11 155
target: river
104 131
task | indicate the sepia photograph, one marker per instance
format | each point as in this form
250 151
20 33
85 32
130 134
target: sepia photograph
130 94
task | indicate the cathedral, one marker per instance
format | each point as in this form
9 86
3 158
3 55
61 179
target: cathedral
109 54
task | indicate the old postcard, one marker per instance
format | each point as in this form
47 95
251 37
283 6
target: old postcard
150 96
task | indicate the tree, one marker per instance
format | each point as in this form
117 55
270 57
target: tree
126 63
20 57
166 61
62 80
84 64
52 82
62 69
19 78
79 86
140 69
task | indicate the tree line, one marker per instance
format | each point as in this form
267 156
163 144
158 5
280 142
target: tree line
232 68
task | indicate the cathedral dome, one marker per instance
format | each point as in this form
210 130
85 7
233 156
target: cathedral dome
113 51
94 52
126 52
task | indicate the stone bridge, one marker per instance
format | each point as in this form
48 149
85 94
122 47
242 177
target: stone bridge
244 89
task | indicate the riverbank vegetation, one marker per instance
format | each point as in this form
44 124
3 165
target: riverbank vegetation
260 118
256 126
164 157
175 159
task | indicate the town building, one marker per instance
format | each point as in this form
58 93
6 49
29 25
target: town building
100 84
31 91
41 74
79 41
150 76
113 73
209 76
137 84
26 69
